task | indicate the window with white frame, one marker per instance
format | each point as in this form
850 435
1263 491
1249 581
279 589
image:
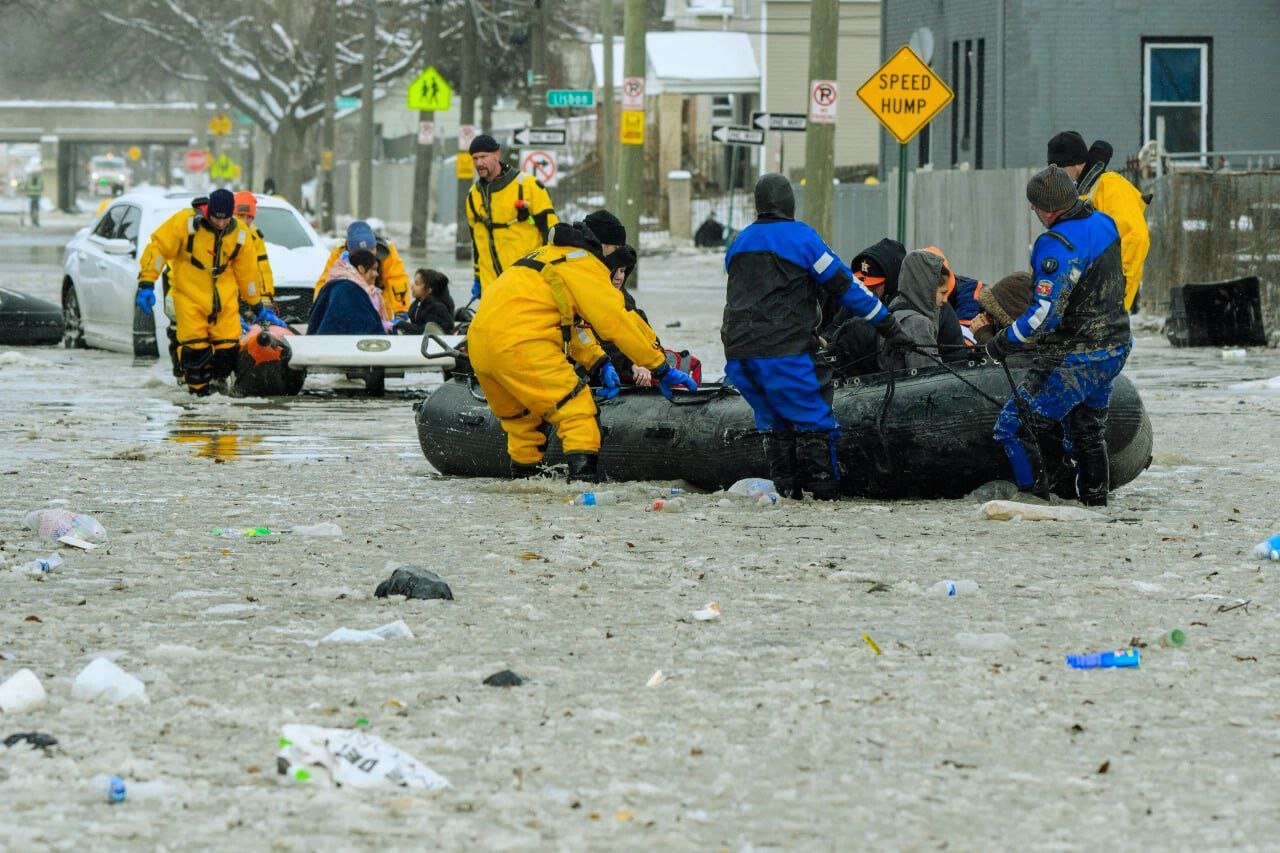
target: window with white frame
1175 93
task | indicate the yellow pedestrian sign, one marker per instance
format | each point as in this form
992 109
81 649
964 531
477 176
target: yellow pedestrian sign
429 93
905 94
224 169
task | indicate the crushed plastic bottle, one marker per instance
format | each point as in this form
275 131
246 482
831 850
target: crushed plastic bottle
1268 550
1120 658
950 588
115 788
56 523
596 499
239 532
668 505
763 492
40 566
1173 639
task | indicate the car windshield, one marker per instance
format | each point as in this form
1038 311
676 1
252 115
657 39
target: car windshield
281 227
105 164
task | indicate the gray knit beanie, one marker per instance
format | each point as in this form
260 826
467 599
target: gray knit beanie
1051 189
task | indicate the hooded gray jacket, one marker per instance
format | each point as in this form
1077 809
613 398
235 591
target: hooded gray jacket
915 308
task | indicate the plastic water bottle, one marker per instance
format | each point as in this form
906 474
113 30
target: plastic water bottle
763 492
596 499
1105 660
111 787
951 589
669 505
1173 639
40 565
240 532
1269 550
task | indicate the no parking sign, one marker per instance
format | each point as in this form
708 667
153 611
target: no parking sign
542 165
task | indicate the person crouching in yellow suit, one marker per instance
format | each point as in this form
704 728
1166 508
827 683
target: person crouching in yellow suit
211 269
523 343
392 277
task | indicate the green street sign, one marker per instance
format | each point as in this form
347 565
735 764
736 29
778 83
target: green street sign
571 98
342 103
430 93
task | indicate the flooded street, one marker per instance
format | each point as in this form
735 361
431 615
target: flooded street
778 726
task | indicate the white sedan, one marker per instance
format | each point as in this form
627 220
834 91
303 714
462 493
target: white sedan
100 271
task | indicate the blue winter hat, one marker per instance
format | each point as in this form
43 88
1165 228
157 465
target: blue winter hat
360 237
221 203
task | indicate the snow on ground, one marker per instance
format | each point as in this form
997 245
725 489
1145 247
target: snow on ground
778 727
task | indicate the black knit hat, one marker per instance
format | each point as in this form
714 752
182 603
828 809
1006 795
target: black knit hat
1007 299
606 228
483 142
1052 189
1067 149
221 203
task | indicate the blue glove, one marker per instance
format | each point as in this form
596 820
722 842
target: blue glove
266 315
475 287
669 378
610 384
146 298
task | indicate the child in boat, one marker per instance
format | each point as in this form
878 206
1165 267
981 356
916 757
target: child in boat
432 306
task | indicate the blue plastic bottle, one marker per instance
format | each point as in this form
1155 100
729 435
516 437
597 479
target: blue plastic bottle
1104 660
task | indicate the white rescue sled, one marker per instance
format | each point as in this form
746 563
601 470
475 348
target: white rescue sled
402 352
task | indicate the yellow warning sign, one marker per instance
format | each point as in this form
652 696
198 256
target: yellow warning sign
905 94
632 127
220 125
135 153
429 93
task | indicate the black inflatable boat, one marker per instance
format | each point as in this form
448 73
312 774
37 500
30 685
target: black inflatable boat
936 434
26 320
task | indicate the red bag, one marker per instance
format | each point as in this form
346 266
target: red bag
685 362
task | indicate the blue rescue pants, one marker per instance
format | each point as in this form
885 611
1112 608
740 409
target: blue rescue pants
1052 390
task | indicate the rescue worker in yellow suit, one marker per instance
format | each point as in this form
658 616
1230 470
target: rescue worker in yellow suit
211 269
523 345
508 211
392 277
247 212
1113 195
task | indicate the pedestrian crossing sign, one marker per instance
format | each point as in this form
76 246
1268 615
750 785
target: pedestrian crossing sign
429 93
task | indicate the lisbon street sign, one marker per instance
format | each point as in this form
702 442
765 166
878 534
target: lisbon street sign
571 98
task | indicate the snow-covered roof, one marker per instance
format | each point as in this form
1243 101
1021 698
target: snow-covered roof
690 63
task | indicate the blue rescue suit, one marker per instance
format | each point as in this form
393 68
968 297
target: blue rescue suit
1079 329
780 271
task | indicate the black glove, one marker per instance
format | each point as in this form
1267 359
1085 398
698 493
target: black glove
998 348
895 340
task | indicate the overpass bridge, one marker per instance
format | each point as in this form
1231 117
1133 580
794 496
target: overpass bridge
69 132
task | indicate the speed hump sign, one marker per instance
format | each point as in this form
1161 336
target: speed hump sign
905 94
542 165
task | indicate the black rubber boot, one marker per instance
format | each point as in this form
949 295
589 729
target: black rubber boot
816 462
780 451
520 471
1093 467
584 467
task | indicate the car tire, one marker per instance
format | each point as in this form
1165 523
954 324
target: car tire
375 382
72 322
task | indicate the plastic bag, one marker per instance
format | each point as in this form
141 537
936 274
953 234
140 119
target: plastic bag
53 524
351 758
102 679
396 630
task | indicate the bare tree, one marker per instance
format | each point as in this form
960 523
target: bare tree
266 58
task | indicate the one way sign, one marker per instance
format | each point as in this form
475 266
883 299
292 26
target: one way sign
540 136
730 135
780 121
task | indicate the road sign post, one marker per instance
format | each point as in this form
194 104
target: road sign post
905 95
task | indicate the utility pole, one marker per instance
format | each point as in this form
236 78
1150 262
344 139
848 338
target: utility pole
330 96
466 118
365 207
820 138
538 75
631 165
426 124
608 131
